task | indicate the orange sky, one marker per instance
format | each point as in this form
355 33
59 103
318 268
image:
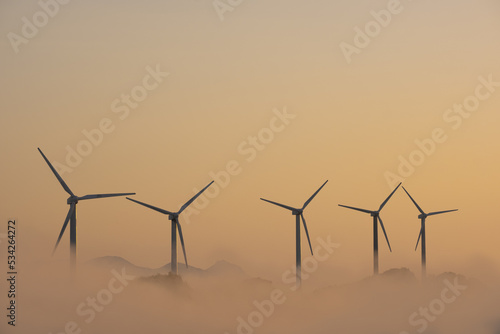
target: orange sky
352 123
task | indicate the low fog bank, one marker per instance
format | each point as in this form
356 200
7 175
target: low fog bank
110 295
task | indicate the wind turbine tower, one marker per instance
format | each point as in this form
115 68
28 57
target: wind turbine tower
71 216
175 226
298 213
376 219
422 216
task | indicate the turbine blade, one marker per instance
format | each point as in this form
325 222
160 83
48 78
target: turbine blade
387 199
307 233
165 212
68 216
278 204
182 242
59 178
418 240
194 197
103 196
357 209
314 195
419 209
440 212
385 234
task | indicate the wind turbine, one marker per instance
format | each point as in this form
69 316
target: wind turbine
422 216
376 219
71 216
298 213
174 218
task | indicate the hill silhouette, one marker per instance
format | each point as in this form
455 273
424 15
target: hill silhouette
220 268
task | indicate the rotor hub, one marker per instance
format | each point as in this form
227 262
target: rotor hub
72 200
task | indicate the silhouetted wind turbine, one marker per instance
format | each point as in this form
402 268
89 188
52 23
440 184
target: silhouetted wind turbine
376 219
174 218
298 213
71 216
422 216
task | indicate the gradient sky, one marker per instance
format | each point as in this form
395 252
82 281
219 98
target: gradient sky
353 122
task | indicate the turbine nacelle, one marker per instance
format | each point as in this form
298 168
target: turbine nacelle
173 216
422 215
72 200
297 212
374 213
